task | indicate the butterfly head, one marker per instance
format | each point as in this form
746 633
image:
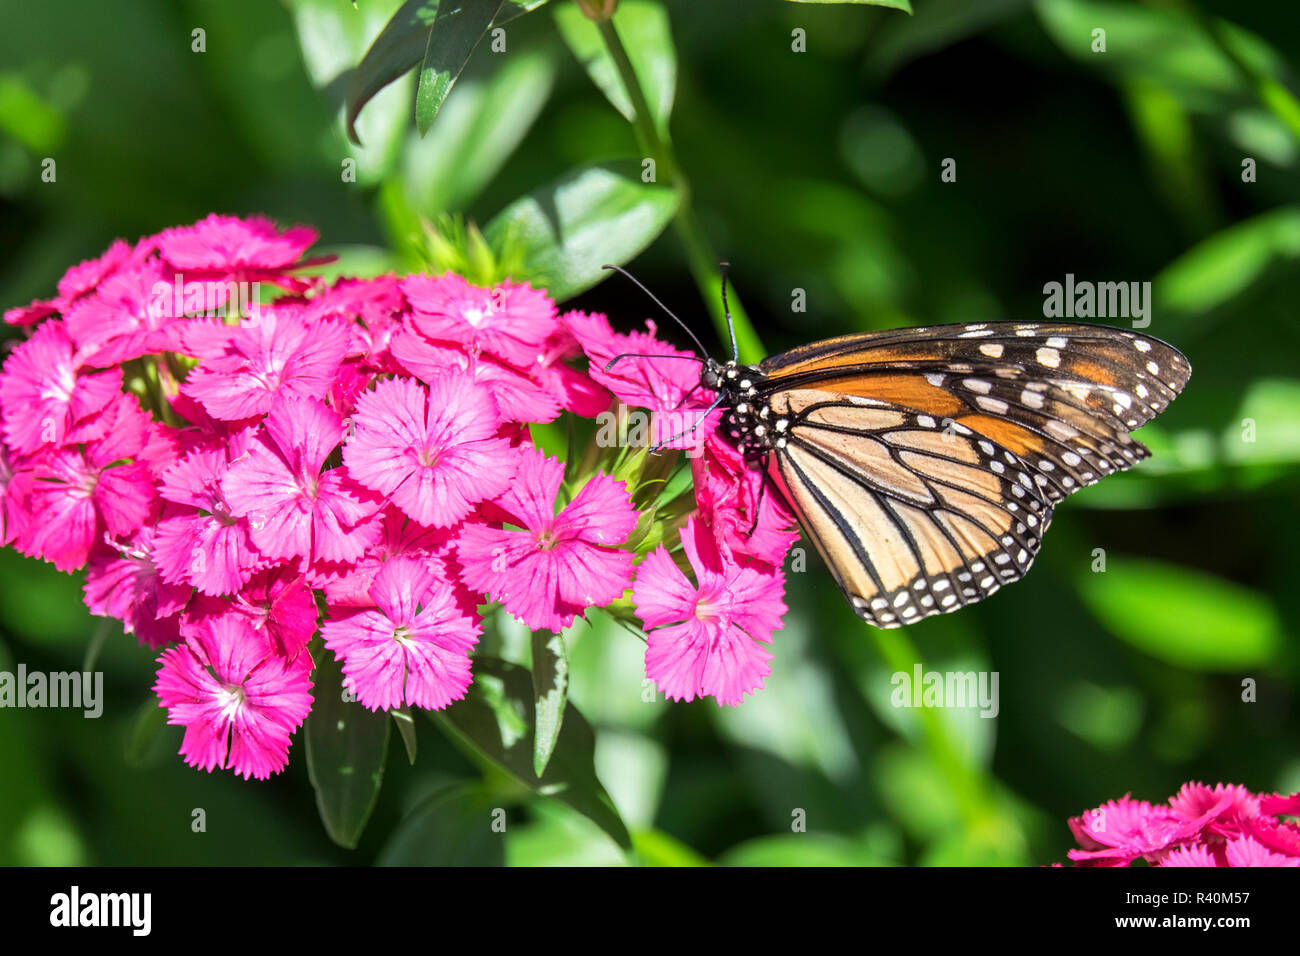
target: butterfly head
749 423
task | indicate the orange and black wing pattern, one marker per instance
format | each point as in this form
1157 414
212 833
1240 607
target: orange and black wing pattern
925 463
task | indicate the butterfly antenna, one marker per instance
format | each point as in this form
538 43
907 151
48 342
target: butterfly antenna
667 311
726 310
649 355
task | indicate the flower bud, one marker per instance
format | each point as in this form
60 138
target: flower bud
598 10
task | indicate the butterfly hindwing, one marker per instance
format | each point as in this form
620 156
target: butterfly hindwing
912 518
924 463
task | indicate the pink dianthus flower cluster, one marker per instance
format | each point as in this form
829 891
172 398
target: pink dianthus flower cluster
1225 825
354 459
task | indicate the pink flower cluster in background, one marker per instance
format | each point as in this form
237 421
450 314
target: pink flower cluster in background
355 458
1226 825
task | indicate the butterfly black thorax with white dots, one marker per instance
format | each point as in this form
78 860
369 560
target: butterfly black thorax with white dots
749 422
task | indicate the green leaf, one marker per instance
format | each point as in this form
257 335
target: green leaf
593 215
644 29
550 694
334 38
495 721
1223 266
448 50
405 724
657 848
904 5
1181 615
1162 44
453 826
347 746
420 33
476 133
514 9
801 849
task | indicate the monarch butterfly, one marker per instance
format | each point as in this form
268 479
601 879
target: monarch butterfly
925 463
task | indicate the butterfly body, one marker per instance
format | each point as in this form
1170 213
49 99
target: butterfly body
924 464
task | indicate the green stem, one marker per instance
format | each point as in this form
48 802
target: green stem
700 256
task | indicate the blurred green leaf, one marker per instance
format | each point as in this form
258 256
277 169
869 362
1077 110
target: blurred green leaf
558 836
347 747
794 716
334 37
657 848
477 131
644 29
42 604
904 5
453 826
1266 428
971 733
635 766
28 118
550 694
49 837
145 745
1221 267
593 215
1106 717
496 720
801 849
449 47
1181 615
1207 64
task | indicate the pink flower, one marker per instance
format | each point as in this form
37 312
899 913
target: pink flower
665 382
1281 806
14 493
1120 831
518 397
78 491
276 604
1246 851
294 509
123 582
239 705
279 355
123 319
433 452
38 311
510 321
704 639
45 399
730 493
1280 836
1226 806
1194 855
349 584
205 544
413 648
555 566
1226 825
241 247
83 278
